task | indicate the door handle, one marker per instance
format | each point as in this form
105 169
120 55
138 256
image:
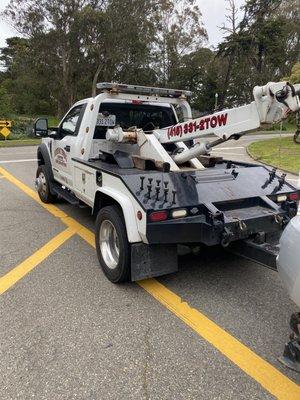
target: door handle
67 148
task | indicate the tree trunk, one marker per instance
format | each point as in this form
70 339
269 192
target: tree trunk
95 79
222 97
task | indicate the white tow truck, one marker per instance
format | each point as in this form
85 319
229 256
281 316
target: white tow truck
124 153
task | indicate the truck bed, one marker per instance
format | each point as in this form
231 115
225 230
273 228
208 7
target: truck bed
217 185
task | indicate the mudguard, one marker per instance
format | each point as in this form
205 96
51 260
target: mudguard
43 157
288 261
128 212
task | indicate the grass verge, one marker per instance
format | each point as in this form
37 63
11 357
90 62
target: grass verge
19 142
280 152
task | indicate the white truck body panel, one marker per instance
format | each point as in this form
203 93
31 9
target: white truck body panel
86 188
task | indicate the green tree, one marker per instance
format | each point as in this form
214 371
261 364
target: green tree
179 32
5 103
55 36
27 91
294 77
263 47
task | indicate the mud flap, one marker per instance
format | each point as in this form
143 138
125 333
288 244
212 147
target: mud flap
148 261
291 353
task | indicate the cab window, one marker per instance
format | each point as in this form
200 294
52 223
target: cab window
147 117
71 123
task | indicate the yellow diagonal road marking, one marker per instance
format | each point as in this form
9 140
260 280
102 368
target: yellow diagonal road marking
272 380
268 376
81 230
17 273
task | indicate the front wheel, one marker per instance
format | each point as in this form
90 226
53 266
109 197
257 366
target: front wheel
42 184
113 248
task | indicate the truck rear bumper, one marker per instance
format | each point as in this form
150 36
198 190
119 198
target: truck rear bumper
215 231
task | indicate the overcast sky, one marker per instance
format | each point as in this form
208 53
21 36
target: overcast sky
213 12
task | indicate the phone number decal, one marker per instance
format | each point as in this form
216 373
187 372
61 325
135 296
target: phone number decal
201 125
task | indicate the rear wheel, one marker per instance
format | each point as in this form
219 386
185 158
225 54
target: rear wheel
113 248
42 184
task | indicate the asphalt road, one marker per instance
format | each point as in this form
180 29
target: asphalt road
66 332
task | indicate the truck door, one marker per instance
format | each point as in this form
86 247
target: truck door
64 148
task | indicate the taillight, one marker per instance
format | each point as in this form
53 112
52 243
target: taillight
294 196
137 102
158 216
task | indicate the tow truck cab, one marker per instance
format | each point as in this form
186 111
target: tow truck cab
68 140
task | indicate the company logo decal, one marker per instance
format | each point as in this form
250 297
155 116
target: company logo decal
60 157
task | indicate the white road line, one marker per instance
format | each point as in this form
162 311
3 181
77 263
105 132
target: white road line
18 161
229 154
228 148
17 154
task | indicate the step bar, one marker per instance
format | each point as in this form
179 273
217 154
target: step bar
65 194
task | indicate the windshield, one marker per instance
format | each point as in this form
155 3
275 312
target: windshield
147 117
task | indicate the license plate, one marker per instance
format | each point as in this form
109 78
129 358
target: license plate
103 120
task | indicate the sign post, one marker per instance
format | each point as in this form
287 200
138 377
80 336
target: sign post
4 127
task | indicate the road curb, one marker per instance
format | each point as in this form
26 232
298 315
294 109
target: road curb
18 145
269 165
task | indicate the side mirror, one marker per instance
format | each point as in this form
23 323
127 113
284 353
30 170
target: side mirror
40 127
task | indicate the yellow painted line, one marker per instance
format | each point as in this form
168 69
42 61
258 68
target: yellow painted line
17 273
256 367
272 380
264 373
31 193
81 230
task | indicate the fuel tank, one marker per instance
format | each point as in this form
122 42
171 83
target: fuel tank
288 261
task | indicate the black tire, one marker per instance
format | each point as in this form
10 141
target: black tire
44 192
117 267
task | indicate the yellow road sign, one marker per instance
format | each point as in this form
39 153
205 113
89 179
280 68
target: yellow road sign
4 131
5 122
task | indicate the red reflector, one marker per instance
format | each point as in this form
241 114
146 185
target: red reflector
158 216
294 196
137 102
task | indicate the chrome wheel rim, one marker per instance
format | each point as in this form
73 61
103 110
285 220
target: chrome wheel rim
42 184
109 244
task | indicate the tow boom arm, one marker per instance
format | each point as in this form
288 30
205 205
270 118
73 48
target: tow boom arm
272 104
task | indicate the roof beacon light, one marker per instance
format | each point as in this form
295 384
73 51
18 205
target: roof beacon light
144 90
